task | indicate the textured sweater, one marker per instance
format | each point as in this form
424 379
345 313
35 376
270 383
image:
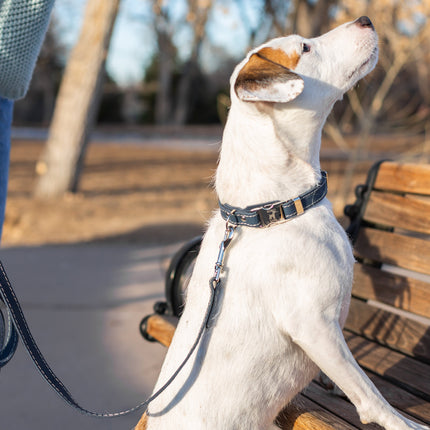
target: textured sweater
23 24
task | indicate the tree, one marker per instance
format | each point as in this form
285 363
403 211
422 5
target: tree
77 102
173 102
405 39
305 17
167 54
311 18
198 11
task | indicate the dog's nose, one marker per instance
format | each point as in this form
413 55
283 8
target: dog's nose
364 21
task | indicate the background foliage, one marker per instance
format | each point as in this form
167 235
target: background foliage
191 57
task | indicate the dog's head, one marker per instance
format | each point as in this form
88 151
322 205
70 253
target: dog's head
318 70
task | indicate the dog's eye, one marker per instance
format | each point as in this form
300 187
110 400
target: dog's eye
306 47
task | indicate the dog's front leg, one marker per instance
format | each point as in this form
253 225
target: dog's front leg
324 343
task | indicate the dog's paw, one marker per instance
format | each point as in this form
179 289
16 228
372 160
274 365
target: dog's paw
411 425
416 426
408 424
393 421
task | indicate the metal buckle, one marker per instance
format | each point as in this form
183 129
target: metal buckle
299 206
271 214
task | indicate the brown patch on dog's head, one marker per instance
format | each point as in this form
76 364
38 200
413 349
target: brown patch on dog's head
268 76
280 57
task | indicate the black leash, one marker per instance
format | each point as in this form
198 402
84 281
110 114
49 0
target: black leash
253 216
10 338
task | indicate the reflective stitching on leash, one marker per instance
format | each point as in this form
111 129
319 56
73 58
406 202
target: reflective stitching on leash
20 323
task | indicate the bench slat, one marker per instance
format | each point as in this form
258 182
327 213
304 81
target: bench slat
405 178
406 212
412 375
401 399
395 249
409 405
399 291
395 331
305 414
161 328
337 405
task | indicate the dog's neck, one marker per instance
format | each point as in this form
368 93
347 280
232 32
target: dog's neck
268 156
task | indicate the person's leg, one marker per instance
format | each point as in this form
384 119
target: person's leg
6 109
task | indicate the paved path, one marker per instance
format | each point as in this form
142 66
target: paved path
83 304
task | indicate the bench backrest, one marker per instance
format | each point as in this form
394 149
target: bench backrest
390 229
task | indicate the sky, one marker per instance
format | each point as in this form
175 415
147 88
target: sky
133 43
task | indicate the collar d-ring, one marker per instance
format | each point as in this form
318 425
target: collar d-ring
228 223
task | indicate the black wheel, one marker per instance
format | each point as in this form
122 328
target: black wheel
178 275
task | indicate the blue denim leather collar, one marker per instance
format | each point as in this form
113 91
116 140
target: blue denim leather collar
267 214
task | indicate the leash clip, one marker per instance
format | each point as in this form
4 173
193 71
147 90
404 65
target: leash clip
215 281
228 236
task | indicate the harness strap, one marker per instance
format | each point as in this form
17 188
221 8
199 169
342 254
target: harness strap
267 214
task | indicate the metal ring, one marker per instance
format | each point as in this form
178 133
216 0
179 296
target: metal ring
228 224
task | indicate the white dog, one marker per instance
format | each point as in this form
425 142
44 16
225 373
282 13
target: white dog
285 288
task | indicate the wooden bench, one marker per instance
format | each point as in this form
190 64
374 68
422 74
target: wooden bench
388 327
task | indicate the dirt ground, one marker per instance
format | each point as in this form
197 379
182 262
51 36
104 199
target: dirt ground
140 193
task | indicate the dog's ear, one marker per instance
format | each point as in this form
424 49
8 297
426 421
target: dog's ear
267 77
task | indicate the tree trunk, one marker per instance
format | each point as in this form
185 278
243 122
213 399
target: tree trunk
77 102
166 68
198 11
311 19
166 64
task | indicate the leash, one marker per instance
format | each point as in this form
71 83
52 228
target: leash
9 337
252 216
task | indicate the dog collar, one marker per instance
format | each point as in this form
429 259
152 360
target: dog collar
266 214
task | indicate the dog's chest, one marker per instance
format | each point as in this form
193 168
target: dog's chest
307 256
312 243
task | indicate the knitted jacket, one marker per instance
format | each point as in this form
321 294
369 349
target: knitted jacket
23 24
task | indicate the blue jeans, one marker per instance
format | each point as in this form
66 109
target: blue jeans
6 109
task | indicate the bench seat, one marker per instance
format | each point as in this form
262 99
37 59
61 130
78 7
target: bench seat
388 326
